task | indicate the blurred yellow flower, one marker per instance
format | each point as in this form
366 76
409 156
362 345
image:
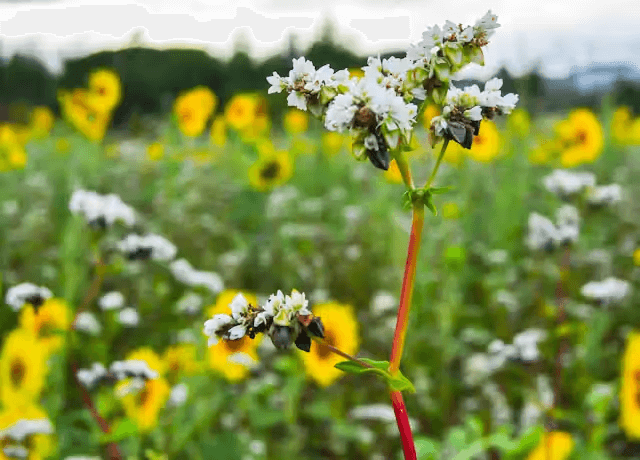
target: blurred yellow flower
105 89
23 368
42 119
155 151
181 359
450 210
431 111
332 142
271 170
580 138
486 144
233 358
77 108
193 108
12 152
296 121
519 123
541 154
341 331
393 173
48 324
143 405
636 257
453 155
624 128
630 388
39 446
245 110
62 145
555 445
219 131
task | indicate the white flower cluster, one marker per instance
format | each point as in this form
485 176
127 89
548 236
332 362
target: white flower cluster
185 273
87 322
101 210
378 108
604 195
23 293
15 451
190 304
480 366
610 290
464 109
132 368
111 301
279 317
544 234
179 394
148 246
24 428
90 377
565 183
129 317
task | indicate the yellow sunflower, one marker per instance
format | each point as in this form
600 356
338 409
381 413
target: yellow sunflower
39 446
636 256
48 324
243 109
295 121
431 111
232 358
271 170
630 388
555 445
78 109
12 152
193 109
181 359
519 123
143 406
486 144
341 331
219 131
580 138
332 142
105 89
42 119
393 173
155 151
23 368
453 155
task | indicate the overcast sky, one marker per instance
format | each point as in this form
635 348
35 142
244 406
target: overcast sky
559 34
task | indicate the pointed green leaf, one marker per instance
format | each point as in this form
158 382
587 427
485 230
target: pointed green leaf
429 204
439 190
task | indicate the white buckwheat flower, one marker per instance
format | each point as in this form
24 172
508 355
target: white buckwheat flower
607 291
89 377
565 183
605 195
101 210
87 322
23 293
129 317
148 246
132 368
185 273
216 327
111 301
24 428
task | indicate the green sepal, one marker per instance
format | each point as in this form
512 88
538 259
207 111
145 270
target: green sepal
397 382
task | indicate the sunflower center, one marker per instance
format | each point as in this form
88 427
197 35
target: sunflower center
581 136
270 170
323 350
18 371
102 91
479 140
235 345
143 396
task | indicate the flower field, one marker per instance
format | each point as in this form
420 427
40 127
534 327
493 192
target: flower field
118 250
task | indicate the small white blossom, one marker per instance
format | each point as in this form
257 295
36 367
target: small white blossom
151 246
185 273
87 322
111 301
24 428
565 183
190 304
526 343
23 293
89 377
543 234
179 394
243 359
214 326
132 368
15 451
607 291
605 195
101 209
382 302
128 317
381 412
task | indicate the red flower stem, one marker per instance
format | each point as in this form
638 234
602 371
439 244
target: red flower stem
112 447
407 288
402 418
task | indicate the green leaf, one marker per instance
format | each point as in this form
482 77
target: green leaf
397 382
439 190
429 204
123 430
